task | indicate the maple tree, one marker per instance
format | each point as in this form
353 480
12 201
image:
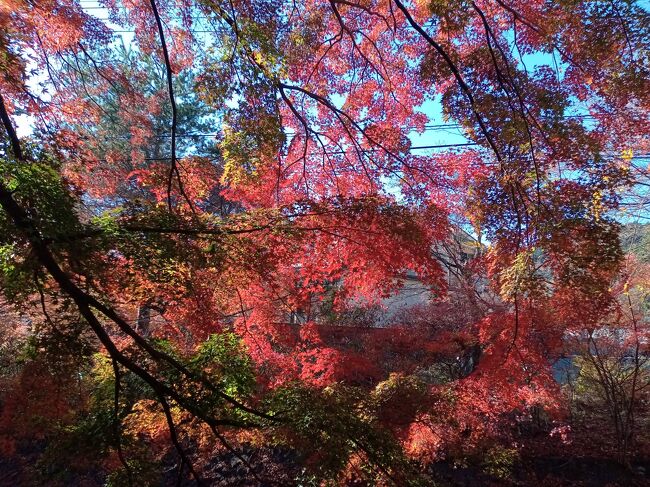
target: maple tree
611 379
258 262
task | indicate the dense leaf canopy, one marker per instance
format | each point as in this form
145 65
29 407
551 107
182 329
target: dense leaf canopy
207 207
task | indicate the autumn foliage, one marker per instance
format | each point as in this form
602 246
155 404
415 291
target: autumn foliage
212 214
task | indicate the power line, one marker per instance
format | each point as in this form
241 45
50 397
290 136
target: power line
364 151
216 134
427 128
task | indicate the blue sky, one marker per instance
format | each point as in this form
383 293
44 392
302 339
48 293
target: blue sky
438 133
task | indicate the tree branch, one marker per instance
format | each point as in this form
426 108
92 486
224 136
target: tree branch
173 170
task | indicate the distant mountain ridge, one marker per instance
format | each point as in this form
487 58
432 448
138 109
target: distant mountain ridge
635 239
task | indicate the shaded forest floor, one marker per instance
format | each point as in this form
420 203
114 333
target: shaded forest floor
275 467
